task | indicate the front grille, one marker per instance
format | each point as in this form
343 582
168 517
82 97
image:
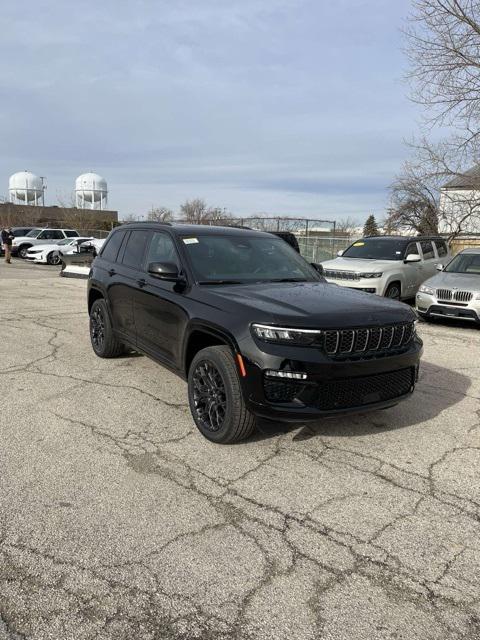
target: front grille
449 295
341 275
358 341
357 392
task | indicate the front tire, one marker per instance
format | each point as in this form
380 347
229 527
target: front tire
215 397
393 291
53 258
104 342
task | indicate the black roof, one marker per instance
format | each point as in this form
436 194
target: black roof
195 229
405 238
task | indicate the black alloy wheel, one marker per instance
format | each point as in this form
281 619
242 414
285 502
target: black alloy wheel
97 329
209 396
104 341
216 398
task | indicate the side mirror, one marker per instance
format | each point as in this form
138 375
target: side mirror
340 253
164 271
413 257
318 267
440 267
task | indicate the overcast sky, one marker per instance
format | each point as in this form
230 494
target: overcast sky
278 106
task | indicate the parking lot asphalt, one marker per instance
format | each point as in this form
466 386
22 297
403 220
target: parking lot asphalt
118 520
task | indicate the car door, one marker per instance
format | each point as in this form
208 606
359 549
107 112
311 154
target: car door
123 282
160 316
413 270
429 259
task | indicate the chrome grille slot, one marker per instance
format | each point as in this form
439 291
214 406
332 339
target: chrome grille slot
364 341
444 294
341 275
463 296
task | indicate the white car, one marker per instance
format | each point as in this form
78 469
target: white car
390 266
51 253
35 237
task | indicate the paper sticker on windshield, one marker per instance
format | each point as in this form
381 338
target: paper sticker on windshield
190 240
358 244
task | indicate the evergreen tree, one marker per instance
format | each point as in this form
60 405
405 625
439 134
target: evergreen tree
370 228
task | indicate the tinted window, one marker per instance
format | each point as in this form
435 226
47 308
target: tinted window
376 249
161 249
111 247
411 249
51 234
427 249
71 234
441 248
465 263
135 249
244 258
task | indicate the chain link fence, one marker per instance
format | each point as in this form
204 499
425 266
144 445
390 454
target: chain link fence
317 249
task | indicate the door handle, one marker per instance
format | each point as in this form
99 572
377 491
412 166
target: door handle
111 272
141 283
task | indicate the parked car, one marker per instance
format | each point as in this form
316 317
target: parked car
254 329
37 236
52 253
16 231
390 266
455 291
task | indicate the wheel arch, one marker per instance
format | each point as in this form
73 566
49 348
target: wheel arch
200 336
94 294
395 279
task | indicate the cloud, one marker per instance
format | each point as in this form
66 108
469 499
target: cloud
277 102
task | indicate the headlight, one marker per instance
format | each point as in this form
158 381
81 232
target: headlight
371 274
285 335
427 290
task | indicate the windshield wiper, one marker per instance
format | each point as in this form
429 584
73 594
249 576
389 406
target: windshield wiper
221 282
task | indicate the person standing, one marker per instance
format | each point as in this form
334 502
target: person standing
7 238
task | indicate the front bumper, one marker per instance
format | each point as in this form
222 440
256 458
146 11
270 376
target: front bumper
332 387
428 305
36 257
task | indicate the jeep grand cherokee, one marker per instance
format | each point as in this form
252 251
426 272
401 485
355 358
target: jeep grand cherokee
253 328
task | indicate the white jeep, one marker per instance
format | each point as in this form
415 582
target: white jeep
22 244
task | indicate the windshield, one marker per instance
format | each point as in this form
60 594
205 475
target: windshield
33 233
239 259
465 263
65 241
376 249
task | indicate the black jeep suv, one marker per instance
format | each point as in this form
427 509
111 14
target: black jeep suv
250 324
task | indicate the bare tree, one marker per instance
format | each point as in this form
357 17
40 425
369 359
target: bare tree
196 211
160 214
414 201
346 227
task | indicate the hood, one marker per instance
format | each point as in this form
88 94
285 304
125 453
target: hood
464 281
44 247
360 264
306 304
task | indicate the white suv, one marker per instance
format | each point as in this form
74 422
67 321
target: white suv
36 236
391 266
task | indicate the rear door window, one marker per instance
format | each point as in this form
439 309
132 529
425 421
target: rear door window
135 249
427 249
71 234
441 248
110 250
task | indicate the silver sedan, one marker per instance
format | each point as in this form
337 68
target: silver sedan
455 291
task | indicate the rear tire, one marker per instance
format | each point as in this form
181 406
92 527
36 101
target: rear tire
216 399
22 251
104 342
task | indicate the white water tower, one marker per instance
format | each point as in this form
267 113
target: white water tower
91 191
25 187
